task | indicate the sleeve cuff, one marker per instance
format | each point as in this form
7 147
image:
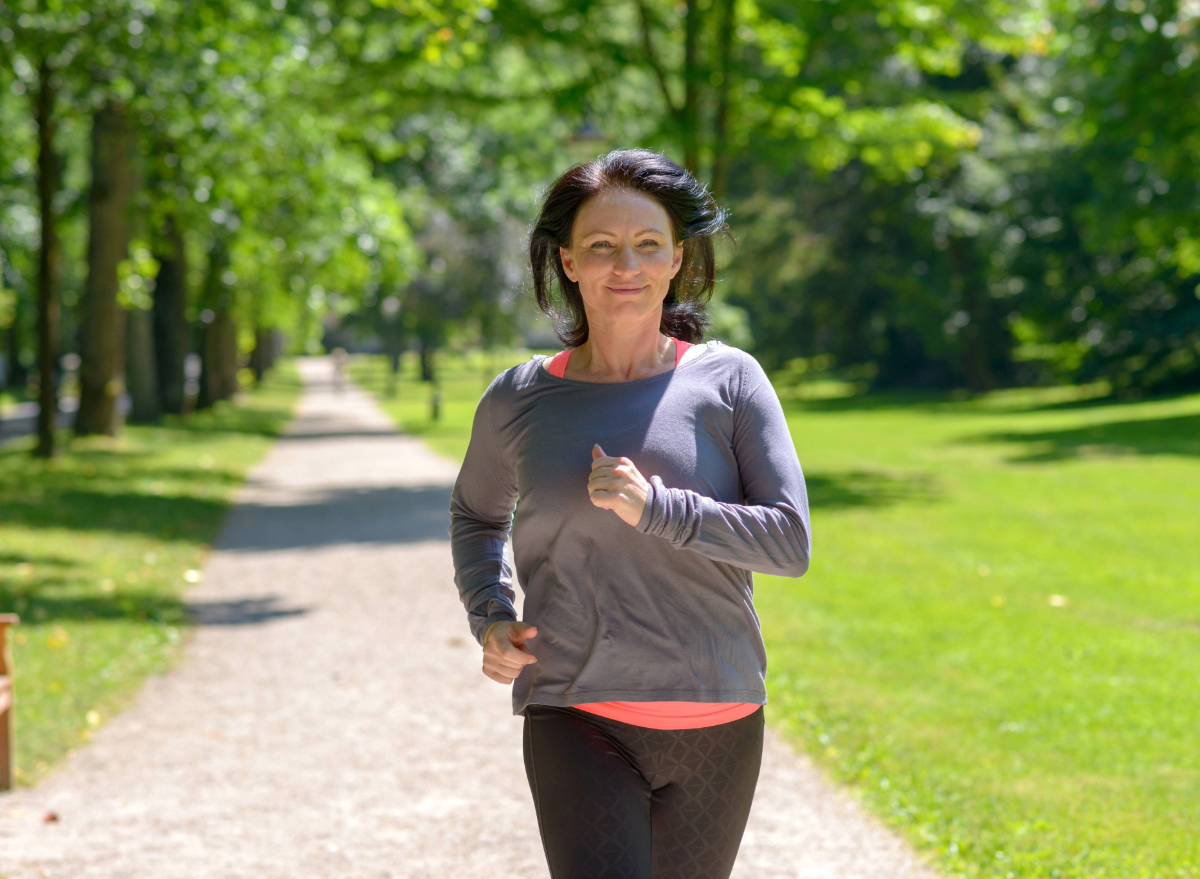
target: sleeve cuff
643 524
482 628
670 513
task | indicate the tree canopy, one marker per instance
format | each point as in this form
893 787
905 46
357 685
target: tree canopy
943 193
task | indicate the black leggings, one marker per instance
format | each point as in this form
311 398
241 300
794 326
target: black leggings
616 801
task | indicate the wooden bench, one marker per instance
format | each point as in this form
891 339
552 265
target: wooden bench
6 701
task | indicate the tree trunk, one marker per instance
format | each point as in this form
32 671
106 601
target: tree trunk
276 347
427 350
262 356
227 354
140 371
720 174
49 312
204 395
218 260
170 319
691 115
220 356
218 374
102 329
393 377
15 373
977 367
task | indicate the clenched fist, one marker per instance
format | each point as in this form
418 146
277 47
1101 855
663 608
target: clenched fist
615 484
504 650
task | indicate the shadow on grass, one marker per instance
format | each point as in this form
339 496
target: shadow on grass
877 401
864 488
159 516
1001 401
47 561
371 514
57 593
351 515
266 421
61 589
1173 435
47 602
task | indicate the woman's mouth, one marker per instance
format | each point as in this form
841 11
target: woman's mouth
627 290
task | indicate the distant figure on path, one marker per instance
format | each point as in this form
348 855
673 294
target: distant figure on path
639 666
339 368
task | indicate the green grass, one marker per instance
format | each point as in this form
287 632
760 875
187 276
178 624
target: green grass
925 660
9 398
998 644
461 382
95 547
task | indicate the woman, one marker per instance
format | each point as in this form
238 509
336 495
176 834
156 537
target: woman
654 474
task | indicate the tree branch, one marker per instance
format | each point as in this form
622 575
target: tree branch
652 60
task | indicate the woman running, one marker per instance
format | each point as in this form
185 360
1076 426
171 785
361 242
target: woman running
654 472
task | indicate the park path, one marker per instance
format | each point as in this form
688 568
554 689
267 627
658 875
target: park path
329 718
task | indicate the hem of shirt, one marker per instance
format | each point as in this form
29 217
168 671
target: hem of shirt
570 700
730 712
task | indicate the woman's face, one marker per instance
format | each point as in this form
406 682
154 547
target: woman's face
622 256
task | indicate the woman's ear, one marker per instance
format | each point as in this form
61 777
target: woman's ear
568 265
677 260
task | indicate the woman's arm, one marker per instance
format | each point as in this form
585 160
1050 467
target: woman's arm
770 532
481 508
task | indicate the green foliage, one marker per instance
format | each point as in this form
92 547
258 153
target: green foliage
136 277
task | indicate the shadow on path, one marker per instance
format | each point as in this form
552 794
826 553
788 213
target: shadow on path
243 612
372 514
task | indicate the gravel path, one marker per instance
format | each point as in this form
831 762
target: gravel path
330 719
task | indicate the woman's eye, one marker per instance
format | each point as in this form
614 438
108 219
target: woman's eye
650 241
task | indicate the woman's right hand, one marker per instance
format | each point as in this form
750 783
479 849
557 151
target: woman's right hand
504 650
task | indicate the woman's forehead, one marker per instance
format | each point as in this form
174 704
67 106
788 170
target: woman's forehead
621 210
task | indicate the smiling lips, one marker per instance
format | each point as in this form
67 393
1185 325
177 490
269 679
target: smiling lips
627 289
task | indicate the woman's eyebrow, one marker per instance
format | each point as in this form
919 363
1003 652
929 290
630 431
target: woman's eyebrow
649 229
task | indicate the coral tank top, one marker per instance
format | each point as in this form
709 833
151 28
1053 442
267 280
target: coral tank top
660 715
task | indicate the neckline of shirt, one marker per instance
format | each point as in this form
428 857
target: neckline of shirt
710 346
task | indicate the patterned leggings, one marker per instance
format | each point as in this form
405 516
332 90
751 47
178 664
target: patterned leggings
616 801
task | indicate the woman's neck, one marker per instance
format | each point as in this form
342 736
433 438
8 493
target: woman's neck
623 356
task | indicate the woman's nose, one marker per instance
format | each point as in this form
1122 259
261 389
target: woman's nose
626 261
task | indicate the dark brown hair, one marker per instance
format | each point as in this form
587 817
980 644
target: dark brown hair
695 219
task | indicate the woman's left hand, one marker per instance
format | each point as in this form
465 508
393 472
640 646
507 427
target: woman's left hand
615 484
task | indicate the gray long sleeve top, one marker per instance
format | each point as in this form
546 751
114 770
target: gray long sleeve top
660 611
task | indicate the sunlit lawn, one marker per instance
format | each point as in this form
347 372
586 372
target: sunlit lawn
460 380
94 553
10 397
999 640
998 644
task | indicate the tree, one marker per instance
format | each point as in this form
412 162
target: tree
103 330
